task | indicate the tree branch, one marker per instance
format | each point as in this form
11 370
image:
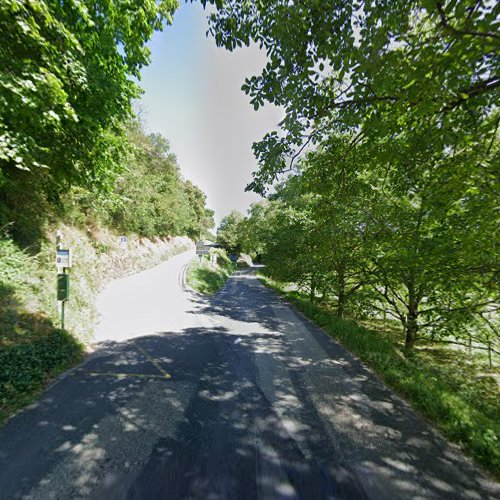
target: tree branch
446 24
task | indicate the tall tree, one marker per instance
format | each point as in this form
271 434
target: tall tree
359 66
68 73
230 231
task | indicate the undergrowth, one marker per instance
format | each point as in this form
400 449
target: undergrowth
208 279
440 383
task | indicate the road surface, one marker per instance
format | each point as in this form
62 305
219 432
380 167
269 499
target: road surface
231 397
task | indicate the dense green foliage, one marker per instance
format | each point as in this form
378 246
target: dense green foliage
227 232
209 279
391 129
67 74
26 367
442 385
151 197
421 72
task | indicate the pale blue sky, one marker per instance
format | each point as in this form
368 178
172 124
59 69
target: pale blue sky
193 97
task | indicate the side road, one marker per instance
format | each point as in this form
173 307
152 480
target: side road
245 400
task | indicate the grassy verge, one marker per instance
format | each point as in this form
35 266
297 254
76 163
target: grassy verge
459 397
207 279
32 349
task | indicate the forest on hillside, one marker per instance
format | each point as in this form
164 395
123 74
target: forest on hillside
69 144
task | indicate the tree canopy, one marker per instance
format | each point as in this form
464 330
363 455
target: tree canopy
68 72
391 137
374 69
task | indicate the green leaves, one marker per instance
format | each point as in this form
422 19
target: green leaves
65 85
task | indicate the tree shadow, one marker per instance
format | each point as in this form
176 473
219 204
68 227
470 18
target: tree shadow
246 408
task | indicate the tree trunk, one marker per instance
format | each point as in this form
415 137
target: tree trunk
341 293
411 333
411 324
312 290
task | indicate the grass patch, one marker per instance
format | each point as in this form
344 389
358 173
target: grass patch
460 397
32 349
208 279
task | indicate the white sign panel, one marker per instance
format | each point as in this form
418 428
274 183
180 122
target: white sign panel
63 257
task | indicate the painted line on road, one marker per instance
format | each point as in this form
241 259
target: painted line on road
154 362
124 375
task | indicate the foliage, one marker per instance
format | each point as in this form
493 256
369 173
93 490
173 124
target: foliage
433 381
66 84
208 279
228 233
25 368
16 267
32 350
152 197
374 69
363 238
391 112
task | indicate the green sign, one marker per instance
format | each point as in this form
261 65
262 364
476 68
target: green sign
63 287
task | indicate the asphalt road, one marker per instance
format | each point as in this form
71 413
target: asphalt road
241 399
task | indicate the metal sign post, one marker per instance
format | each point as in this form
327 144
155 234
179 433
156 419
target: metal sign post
62 292
201 250
63 263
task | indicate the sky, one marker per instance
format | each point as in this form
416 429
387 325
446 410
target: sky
193 97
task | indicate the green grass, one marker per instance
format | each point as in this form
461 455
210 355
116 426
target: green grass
32 349
208 280
457 395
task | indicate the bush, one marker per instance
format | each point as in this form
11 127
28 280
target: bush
222 256
25 368
207 279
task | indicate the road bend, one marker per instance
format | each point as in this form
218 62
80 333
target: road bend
236 396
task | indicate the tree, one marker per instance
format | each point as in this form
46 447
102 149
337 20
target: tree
66 84
151 197
229 231
360 66
203 218
401 97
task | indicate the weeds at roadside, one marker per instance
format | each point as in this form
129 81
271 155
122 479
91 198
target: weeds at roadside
208 279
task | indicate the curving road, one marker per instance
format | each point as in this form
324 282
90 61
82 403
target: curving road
232 397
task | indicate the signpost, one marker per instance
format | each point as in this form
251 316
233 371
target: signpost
63 263
63 258
201 250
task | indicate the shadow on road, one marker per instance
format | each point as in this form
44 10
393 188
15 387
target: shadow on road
242 409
